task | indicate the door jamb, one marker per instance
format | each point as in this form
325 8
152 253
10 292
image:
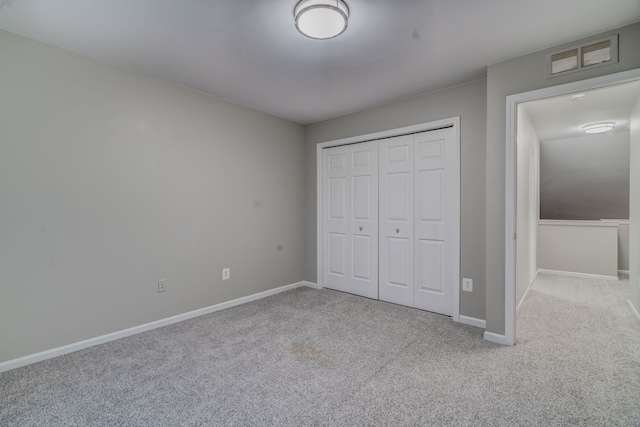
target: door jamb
510 178
452 121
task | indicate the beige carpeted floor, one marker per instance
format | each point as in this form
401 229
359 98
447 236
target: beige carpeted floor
308 357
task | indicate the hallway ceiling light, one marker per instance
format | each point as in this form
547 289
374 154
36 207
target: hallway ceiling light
321 19
599 127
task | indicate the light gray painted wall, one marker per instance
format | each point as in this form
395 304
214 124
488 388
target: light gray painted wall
528 149
467 101
634 208
517 75
577 248
111 180
585 178
623 247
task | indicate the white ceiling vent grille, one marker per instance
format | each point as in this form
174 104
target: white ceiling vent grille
577 58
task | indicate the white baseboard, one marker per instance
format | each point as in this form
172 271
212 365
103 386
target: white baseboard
70 348
623 272
633 310
478 323
496 338
311 285
524 297
576 274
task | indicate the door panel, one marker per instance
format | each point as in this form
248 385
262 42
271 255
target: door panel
362 257
337 252
350 193
396 220
362 198
398 153
362 158
435 201
431 195
337 161
431 149
399 261
399 193
363 220
430 264
337 198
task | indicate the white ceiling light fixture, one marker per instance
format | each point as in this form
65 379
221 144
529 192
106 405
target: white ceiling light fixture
321 19
599 127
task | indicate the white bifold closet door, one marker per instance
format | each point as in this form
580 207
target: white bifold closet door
350 203
396 220
417 220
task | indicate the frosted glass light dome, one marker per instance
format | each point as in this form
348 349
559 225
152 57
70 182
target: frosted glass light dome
599 127
321 19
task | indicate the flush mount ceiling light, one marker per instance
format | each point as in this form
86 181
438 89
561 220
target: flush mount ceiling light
321 19
599 127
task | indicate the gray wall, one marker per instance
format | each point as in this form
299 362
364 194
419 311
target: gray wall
517 75
467 101
111 180
528 152
585 177
623 247
589 247
634 209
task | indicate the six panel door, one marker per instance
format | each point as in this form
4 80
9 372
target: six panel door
351 218
435 214
396 220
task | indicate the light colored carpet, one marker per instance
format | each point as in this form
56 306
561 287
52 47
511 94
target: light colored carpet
308 357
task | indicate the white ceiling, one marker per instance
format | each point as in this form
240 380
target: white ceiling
249 52
561 117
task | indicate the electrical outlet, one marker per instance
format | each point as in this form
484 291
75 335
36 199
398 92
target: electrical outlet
226 273
467 285
162 285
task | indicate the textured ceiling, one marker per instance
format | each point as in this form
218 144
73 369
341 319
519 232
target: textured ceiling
249 52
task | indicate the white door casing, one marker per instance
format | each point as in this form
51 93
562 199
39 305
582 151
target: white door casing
534 214
512 102
351 218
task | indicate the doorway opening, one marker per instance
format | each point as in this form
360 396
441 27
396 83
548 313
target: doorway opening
535 120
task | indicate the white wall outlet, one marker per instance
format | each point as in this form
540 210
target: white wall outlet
467 285
162 285
226 273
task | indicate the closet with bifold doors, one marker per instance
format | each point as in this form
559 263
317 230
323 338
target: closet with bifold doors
390 219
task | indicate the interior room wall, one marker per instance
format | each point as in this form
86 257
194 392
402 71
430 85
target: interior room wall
528 149
623 246
585 178
513 76
583 247
467 101
111 180
634 208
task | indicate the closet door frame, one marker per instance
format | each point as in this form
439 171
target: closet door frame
449 122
